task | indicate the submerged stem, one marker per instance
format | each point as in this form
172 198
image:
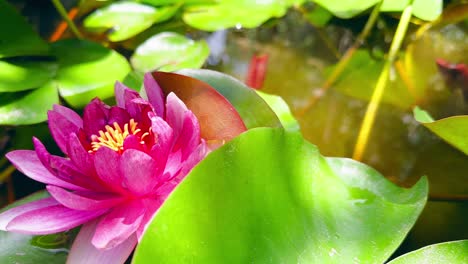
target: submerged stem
345 59
376 98
59 7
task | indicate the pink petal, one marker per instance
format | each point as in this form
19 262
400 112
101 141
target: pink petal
83 252
192 161
69 114
134 142
117 115
82 159
140 171
119 89
164 140
107 164
61 124
118 225
94 117
51 219
77 201
9 215
175 112
29 164
155 94
190 135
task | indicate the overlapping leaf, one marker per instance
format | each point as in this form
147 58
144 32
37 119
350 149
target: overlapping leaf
270 197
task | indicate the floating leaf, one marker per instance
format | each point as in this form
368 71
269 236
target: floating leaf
24 75
17 38
87 70
254 111
454 252
346 8
424 9
318 16
169 51
268 196
173 2
30 249
24 108
453 130
281 109
235 13
126 19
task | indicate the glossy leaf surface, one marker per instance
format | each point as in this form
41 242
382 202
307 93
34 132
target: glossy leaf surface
169 51
29 107
254 111
17 37
87 70
235 13
453 130
126 19
424 9
268 196
24 75
454 252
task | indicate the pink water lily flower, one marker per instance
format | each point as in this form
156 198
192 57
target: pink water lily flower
122 162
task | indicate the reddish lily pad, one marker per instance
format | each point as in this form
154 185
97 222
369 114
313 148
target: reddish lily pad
218 119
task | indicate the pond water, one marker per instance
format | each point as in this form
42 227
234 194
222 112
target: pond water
299 59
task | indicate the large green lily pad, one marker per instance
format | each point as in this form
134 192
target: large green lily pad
235 13
268 196
87 70
24 108
169 51
126 19
24 75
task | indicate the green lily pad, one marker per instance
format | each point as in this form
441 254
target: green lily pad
87 70
30 249
24 75
17 38
454 252
126 19
173 2
424 9
235 13
254 111
346 8
453 130
24 108
268 196
169 51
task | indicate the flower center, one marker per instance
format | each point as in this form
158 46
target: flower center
114 137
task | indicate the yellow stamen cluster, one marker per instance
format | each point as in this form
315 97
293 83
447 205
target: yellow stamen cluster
114 137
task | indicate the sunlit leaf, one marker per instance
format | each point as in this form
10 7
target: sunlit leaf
268 196
254 111
30 249
424 9
218 119
87 70
454 252
235 13
24 75
169 51
17 37
452 129
346 8
173 2
29 107
126 19
281 109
